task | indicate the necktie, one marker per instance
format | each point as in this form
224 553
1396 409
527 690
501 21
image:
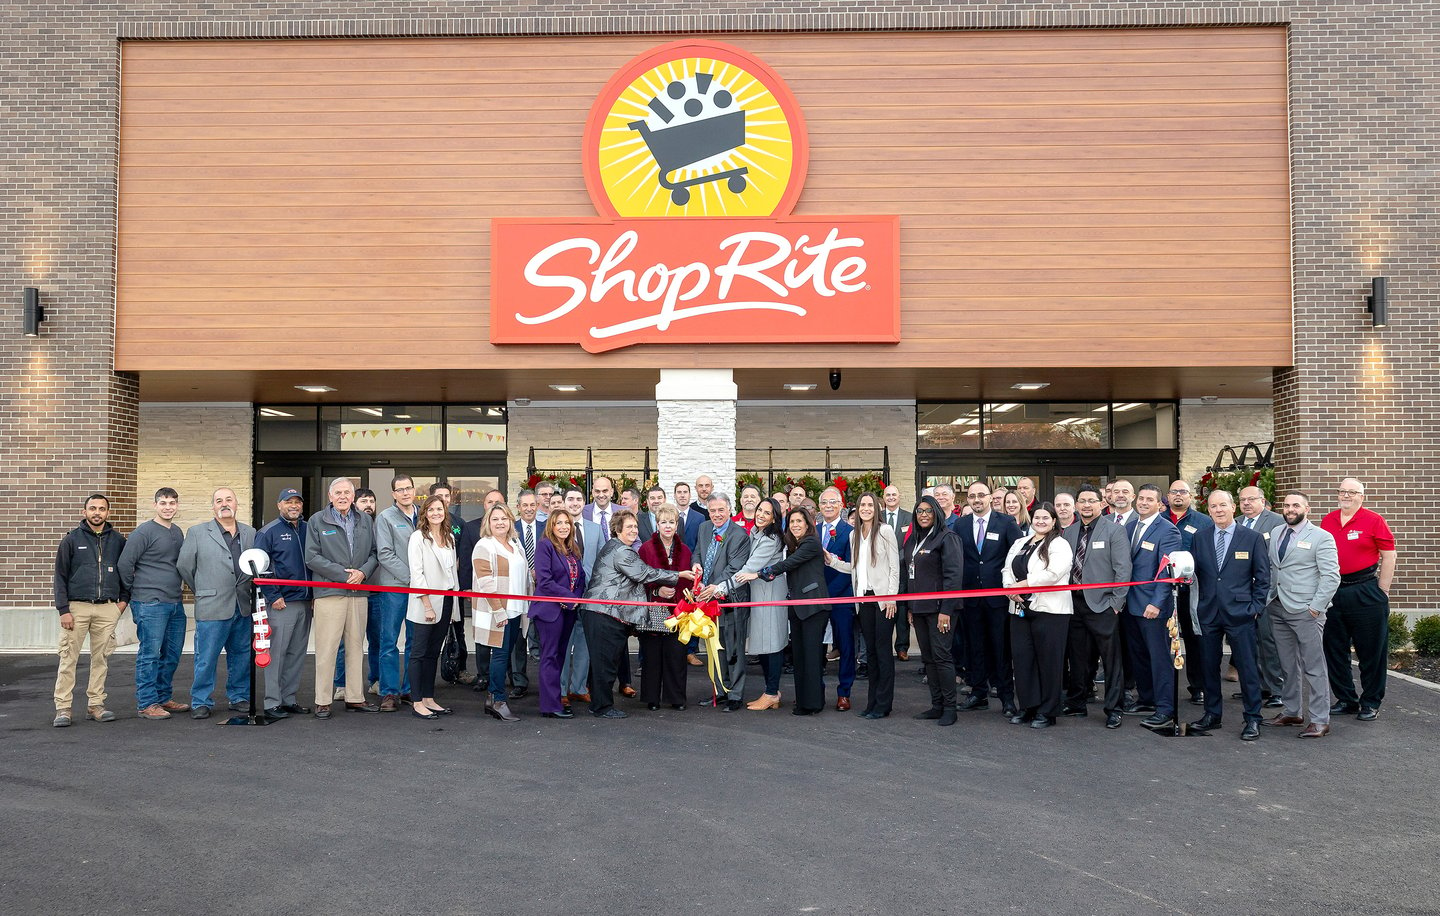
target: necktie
890 520
980 532
710 553
1285 541
603 517
1222 538
1250 523
527 537
1081 546
1139 532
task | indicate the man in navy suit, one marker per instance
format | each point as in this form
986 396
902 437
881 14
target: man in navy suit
985 536
1149 606
1191 524
1232 578
834 534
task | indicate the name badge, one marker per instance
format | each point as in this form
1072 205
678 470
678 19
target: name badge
1303 545
1242 554
1353 535
1146 545
1265 535
1189 529
992 536
1096 545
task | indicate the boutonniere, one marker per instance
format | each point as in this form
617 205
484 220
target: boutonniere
719 537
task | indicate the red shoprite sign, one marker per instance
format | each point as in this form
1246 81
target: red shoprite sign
695 153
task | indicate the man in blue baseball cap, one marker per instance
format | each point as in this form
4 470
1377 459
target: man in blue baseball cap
288 606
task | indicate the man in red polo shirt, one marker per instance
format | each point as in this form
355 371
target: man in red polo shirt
1360 612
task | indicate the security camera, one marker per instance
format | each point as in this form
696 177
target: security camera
834 379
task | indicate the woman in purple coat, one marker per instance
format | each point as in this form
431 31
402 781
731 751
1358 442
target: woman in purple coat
559 571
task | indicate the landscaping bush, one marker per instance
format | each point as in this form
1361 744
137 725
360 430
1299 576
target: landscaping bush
1426 636
1399 630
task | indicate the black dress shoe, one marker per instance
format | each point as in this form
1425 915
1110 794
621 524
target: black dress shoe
276 712
611 713
1010 711
1022 718
296 709
1197 700
947 717
1251 731
1158 721
1368 713
797 711
1344 709
200 712
977 702
1205 723
1043 722
562 714
1273 703
653 707
362 707
678 707
733 705
1073 711
1139 709
518 692
1114 720
862 673
934 712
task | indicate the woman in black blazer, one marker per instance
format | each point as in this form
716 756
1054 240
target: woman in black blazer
804 571
931 561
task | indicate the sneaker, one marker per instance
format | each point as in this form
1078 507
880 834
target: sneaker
154 713
375 688
62 720
99 714
340 692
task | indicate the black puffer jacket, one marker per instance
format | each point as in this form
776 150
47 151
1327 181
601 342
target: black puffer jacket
87 567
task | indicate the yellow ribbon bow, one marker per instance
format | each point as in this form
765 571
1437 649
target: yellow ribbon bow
695 624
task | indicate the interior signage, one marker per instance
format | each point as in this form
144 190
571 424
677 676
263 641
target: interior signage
695 154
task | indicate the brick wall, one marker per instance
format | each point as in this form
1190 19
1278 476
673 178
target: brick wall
196 448
1363 80
1207 428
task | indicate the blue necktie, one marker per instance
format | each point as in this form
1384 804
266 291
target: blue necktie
980 533
1285 542
1222 538
710 552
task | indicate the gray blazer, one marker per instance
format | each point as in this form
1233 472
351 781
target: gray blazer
1107 560
590 545
392 548
902 521
1310 573
764 551
208 567
729 559
328 553
1266 522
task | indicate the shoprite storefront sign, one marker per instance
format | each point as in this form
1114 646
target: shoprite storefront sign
695 154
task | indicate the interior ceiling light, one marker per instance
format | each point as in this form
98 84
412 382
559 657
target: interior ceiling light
314 389
567 387
795 386
1030 386
372 411
272 412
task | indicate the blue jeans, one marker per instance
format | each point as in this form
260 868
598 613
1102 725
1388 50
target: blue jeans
374 615
340 666
575 675
500 660
394 665
162 636
211 636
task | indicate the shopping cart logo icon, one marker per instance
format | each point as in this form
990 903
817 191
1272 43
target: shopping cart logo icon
678 146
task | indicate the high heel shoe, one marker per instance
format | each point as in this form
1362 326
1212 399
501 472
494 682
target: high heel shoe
765 701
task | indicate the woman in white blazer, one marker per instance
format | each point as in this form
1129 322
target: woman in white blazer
432 565
874 570
500 568
1039 623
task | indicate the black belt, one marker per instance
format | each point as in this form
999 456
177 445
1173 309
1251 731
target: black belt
1360 575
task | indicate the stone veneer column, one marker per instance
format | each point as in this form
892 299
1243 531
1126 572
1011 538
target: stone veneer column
696 426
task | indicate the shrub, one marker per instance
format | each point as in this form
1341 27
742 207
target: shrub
1426 636
1399 630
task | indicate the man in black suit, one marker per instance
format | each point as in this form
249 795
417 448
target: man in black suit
1232 578
898 518
1101 554
721 551
986 536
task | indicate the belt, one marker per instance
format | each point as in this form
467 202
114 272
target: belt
1360 575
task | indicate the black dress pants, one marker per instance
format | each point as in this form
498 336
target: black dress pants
987 638
662 669
1038 642
608 640
807 639
1092 632
1359 615
878 631
425 653
939 667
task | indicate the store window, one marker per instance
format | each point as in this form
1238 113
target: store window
289 428
1046 426
948 426
1144 424
366 428
475 429
1039 425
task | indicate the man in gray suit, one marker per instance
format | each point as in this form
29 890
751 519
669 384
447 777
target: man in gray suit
1256 515
721 550
1304 574
210 564
1102 554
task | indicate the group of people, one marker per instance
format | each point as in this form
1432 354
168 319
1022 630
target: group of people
1025 600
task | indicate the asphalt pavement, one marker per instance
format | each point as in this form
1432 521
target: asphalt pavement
706 811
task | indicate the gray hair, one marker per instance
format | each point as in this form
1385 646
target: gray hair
720 496
339 480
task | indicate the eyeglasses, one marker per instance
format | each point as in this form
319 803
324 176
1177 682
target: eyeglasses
1088 501
924 511
1179 491
1349 492
829 502
403 489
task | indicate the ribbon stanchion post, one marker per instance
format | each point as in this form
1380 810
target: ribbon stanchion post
256 562
1182 569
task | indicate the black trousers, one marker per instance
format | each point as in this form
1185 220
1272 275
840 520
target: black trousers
1194 652
608 641
457 625
425 653
902 630
1092 633
878 630
1038 642
662 669
987 637
939 667
1359 616
807 639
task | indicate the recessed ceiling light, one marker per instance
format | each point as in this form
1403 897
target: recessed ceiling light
1131 406
793 386
567 387
372 411
272 412
402 416
1030 386
1003 408
315 389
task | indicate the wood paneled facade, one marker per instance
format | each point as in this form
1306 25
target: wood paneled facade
1127 189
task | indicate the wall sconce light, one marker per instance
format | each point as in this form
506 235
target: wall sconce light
1376 303
34 312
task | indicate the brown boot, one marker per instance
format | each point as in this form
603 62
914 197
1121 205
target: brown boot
99 714
765 701
172 706
156 712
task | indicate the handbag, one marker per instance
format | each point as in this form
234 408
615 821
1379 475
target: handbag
450 658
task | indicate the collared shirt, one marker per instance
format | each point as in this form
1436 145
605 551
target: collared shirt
1359 542
233 542
346 521
1142 526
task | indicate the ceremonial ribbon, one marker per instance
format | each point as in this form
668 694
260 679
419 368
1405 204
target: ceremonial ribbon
697 621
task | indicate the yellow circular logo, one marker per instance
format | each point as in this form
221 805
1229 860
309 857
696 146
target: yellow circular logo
695 128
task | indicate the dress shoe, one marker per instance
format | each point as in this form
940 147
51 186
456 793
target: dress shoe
1232 675
389 703
442 711
1139 709
733 705
653 707
903 656
518 692
1114 720
415 711
1273 703
875 714
295 709
501 711
611 713
1156 721
1344 709
833 655
797 711
239 705
1043 722
1314 731
200 712
466 678
975 703
276 712
934 712
843 704
172 706
562 714
1282 719
1010 711
362 707
627 691
680 707
1368 714
579 697
1197 700
695 660
765 701
155 713
1073 711
1205 723
947 717
62 720
1251 731
1022 718
322 712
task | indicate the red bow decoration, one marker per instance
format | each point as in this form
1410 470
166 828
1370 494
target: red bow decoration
687 603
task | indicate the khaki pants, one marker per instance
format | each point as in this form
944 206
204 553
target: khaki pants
340 617
98 622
